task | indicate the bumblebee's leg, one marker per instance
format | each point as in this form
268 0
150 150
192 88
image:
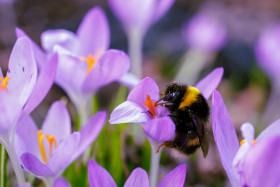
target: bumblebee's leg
168 144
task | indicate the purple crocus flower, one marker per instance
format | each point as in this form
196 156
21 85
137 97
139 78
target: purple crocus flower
256 161
139 107
21 90
47 152
204 32
98 176
84 62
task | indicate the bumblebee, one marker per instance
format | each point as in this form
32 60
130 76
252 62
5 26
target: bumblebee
190 112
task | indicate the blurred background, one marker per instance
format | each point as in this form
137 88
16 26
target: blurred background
246 87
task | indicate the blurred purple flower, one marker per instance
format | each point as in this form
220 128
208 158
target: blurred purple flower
49 151
205 33
267 51
255 162
98 176
61 182
139 14
139 107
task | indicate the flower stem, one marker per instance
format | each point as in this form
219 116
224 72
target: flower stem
155 158
15 162
48 181
2 165
135 41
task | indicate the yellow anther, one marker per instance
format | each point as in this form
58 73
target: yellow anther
243 140
4 82
151 106
52 142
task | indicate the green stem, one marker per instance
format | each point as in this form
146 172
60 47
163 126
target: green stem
48 181
154 167
2 165
135 42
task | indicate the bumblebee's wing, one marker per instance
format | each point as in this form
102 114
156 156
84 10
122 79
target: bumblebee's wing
201 133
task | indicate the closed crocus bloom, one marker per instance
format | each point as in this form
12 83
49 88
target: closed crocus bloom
253 161
98 176
46 152
21 90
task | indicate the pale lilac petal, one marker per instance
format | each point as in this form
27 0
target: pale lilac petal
61 37
32 164
57 122
174 178
9 110
210 82
61 182
271 130
147 86
22 70
248 132
128 112
1 73
160 129
40 55
98 176
89 132
26 139
129 80
43 84
161 8
62 155
137 178
133 13
224 135
261 164
267 51
204 32
24 185
111 66
93 33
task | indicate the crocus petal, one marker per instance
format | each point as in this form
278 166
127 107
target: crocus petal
62 155
57 122
61 37
147 86
61 182
261 164
43 85
40 55
35 166
129 80
224 135
160 129
98 176
1 74
24 185
133 13
174 178
26 137
10 111
128 112
210 82
90 132
137 178
111 66
22 70
271 130
161 8
93 32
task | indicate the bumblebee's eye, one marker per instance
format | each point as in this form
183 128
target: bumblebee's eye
170 96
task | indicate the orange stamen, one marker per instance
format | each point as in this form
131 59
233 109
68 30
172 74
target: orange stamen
52 142
4 82
91 60
243 140
150 105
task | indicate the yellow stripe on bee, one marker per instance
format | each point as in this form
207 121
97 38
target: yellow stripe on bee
190 97
193 142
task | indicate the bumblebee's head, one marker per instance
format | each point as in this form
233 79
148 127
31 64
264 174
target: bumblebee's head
173 96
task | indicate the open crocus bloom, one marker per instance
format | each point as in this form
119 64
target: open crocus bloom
140 108
256 161
22 89
47 152
139 14
98 176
